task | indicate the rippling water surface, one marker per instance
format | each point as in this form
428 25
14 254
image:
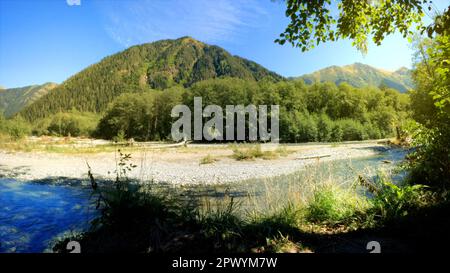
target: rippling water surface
31 214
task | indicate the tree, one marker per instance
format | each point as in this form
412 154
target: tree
312 22
431 109
131 114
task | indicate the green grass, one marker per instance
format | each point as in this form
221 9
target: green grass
148 218
208 159
332 205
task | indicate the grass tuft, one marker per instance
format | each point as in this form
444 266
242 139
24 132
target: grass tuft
208 159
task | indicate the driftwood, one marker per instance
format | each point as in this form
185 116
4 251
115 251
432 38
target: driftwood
312 157
148 145
179 144
368 184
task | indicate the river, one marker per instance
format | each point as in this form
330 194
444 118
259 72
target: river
32 214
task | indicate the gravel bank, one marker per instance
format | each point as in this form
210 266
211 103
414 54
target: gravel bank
174 165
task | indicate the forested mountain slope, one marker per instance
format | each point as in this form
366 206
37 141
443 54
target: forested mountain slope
156 65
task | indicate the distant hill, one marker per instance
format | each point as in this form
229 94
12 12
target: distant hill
360 75
14 99
156 65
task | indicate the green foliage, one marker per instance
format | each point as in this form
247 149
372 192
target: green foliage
120 137
142 116
319 112
220 223
312 22
307 128
392 201
15 128
336 133
352 130
72 123
430 104
332 205
324 128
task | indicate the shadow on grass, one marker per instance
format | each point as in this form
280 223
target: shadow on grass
139 222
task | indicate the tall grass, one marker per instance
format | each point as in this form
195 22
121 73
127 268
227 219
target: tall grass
147 218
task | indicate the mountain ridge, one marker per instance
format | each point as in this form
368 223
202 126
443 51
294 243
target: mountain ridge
361 75
157 65
12 100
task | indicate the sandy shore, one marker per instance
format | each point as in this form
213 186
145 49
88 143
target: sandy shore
177 165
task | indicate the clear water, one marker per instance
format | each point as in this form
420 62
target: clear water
32 214
272 193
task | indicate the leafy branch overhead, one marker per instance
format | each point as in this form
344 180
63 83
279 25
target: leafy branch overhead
315 22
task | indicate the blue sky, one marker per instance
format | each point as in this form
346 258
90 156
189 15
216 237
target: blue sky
49 40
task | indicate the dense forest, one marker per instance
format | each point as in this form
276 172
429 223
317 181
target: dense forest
319 112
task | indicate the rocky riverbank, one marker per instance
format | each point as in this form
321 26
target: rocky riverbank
178 165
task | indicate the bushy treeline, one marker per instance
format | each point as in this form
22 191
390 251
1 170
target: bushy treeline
73 123
15 128
319 112
143 116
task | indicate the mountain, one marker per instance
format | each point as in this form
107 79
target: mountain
15 99
360 75
156 65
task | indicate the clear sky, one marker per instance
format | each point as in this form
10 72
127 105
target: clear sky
50 40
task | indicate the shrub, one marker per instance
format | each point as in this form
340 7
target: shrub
40 127
248 152
120 137
16 128
352 130
336 133
392 201
324 128
141 116
372 131
73 124
332 205
307 129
